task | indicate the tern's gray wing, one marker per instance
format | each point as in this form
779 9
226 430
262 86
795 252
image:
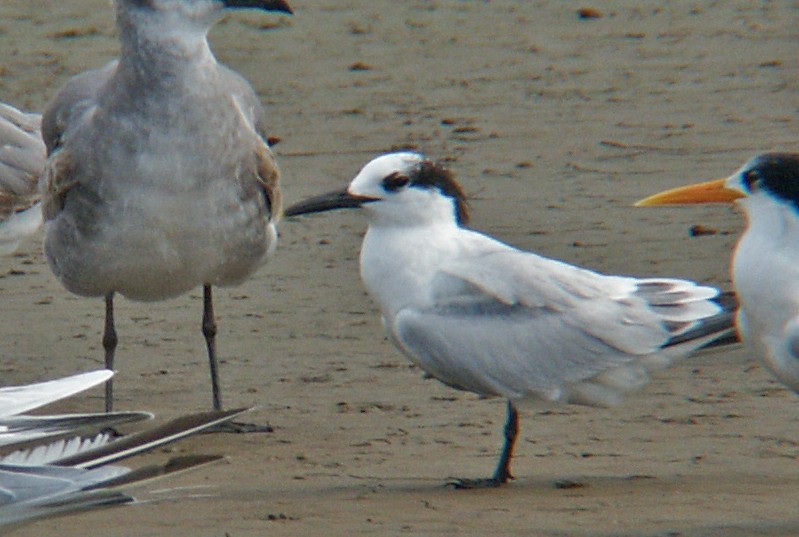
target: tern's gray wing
17 399
518 325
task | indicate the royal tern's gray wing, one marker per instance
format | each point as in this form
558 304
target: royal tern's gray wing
518 325
777 342
17 399
22 162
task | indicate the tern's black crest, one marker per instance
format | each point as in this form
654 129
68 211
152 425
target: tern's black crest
778 173
434 175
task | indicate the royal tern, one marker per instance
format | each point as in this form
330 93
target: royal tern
765 264
22 160
159 178
485 317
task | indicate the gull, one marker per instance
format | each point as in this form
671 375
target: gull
765 264
22 161
47 475
482 316
159 177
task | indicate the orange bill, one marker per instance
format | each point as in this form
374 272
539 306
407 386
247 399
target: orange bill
709 192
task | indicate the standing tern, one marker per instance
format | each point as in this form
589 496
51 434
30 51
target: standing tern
485 317
159 178
765 264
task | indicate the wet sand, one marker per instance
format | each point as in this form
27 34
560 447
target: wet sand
555 125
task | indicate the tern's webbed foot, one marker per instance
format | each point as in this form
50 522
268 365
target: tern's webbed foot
238 427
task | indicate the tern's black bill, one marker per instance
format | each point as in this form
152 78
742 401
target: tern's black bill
266 5
339 199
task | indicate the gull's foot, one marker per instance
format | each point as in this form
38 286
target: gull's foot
485 483
237 427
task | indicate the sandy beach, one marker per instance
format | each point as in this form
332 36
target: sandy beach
555 124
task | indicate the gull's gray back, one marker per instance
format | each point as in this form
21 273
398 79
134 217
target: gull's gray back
182 174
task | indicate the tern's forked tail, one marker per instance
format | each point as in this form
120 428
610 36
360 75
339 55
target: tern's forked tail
712 332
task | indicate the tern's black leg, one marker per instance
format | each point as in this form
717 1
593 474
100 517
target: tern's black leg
209 331
502 473
110 346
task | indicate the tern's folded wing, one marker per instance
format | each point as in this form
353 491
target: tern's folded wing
518 325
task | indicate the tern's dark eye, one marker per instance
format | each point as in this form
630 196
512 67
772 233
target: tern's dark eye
751 180
395 181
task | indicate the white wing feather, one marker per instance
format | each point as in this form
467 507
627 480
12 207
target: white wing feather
22 162
17 399
22 429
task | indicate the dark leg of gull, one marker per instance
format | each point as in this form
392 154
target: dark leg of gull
110 346
209 331
502 473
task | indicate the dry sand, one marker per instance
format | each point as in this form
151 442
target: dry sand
555 125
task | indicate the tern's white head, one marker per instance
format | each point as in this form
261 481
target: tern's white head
398 189
773 176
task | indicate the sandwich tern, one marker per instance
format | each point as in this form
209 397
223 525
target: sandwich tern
482 316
